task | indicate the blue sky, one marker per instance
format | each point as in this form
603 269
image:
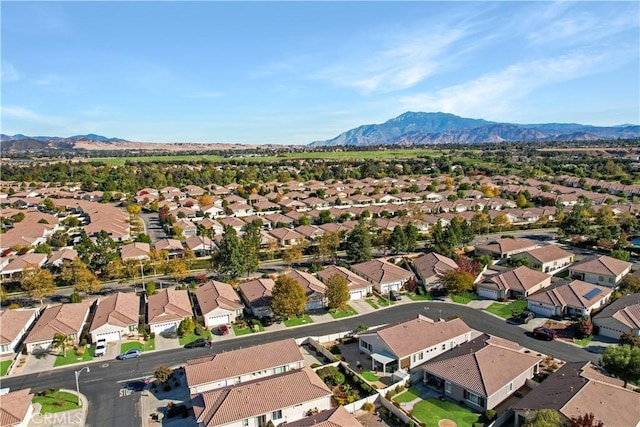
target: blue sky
295 72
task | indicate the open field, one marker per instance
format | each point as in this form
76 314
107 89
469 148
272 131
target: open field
329 155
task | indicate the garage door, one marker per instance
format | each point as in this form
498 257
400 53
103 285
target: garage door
218 320
164 327
109 336
356 295
314 305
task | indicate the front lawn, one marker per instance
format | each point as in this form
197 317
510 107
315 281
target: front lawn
4 367
186 339
297 321
371 303
369 376
147 346
339 313
506 310
430 411
58 401
422 297
384 302
409 395
583 342
73 357
463 298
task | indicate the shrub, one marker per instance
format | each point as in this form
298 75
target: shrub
335 349
153 335
368 406
315 365
83 342
331 375
490 414
199 329
13 306
75 298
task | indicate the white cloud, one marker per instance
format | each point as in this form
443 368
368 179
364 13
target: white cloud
9 73
18 114
496 94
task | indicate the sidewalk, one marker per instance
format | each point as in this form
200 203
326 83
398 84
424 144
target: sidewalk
73 418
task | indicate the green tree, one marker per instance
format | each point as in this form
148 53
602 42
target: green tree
77 273
359 244
150 288
294 253
412 234
586 420
186 327
3 294
177 269
60 342
324 217
337 291
576 222
43 248
521 201
544 418
621 254
251 247
622 362
629 339
162 374
458 281
328 245
288 299
229 259
37 282
398 239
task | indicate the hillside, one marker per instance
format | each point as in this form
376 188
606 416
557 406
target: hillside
416 128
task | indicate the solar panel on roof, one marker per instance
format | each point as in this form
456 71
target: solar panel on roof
592 293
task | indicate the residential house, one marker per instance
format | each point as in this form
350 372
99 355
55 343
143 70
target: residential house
431 267
166 309
212 211
409 344
384 275
286 236
336 417
619 317
65 319
482 372
116 317
188 228
200 245
548 259
313 288
504 248
358 287
280 398
577 298
16 409
240 209
135 251
256 295
242 365
22 262
600 270
172 246
59 257
14 324
515 283
580 388
219 303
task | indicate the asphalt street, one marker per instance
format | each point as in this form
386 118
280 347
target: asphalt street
112 404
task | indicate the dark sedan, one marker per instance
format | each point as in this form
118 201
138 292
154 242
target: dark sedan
200 342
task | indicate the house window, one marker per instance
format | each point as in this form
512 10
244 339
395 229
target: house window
245 423
474 398
418 356
509 387
276 415
236 380
600 278
444 346
278 370
366 345
447 387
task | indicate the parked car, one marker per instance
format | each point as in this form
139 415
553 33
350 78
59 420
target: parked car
394 295
101 347
129 354
546 333
223 329
267 321
527 315
200 342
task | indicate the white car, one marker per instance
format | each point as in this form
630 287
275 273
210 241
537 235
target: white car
101 347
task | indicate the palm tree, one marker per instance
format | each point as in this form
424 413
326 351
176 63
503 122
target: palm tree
60 341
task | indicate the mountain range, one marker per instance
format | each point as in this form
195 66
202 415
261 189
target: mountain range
417 128
21 142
